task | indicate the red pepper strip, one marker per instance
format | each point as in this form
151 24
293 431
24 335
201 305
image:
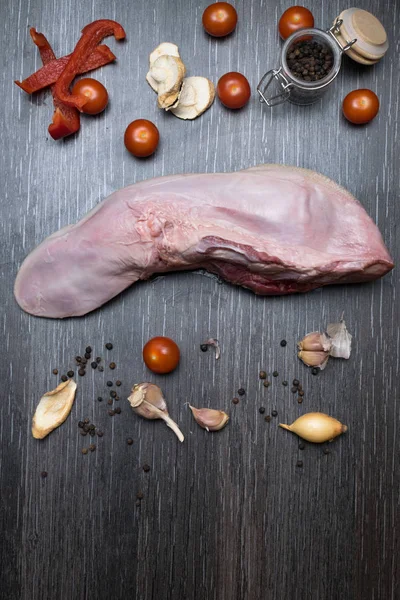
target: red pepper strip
92 35
66 120
50 72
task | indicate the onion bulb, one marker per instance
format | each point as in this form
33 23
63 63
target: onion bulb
316 427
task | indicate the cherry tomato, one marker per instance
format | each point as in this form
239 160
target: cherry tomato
161 355
360 106
233 90
293 19
141 138
219 19
96 93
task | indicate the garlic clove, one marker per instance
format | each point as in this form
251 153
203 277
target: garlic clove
147 400
316 427
209 418
341 339
315 341
314 358
53 408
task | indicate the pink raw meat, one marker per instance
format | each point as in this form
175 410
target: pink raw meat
273 229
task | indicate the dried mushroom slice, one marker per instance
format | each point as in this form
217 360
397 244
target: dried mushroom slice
197 95
53 408
167 74
166 48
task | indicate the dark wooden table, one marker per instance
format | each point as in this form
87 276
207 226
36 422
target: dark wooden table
225 516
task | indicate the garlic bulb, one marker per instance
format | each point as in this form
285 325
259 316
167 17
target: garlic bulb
316 427
53 408
209 418
316 348
147 400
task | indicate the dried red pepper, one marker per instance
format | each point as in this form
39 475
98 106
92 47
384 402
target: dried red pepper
92 35
66 120
52 70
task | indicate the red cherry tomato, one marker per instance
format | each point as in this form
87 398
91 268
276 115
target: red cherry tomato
233 90
141 138
161 355
360 106
293 19
219 19
95 92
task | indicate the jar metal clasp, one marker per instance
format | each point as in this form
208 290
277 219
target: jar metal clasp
282 81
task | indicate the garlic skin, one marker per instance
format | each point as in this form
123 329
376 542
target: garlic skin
214 343
209 418
316 427
147 400
341 339
53 408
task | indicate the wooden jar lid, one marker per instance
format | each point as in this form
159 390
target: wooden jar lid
372 42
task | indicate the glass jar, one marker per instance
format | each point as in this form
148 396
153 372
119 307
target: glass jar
293 88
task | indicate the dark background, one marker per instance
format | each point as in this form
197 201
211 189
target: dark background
225 516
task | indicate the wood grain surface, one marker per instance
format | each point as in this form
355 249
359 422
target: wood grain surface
224 516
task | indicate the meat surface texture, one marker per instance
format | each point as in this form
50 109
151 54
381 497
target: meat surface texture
273 229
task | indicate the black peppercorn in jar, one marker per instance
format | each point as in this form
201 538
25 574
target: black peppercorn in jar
310 60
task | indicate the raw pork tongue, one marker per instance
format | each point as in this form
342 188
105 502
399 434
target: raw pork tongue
273 229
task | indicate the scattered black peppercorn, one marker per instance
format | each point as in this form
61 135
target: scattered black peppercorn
314 371
80 424
84 450
266 383
99 433
88 350
110 401
43 474
241 391
78 359
109 383
64 378
299 463
301 393
204 347
116 398
261 410
83 361
294 389
91 426
112 365
100 399
113 394
296 382
129 441
98 359
109 346
146 468
118 383
117 410
87 355
81 372
235 400
263 375
284 383
275 373
111 413
140 496
92 433
70 373
93 364
299 399
274 413
55 371
283 343
85 428
92 447
86 421
268 418
101 369
301 446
